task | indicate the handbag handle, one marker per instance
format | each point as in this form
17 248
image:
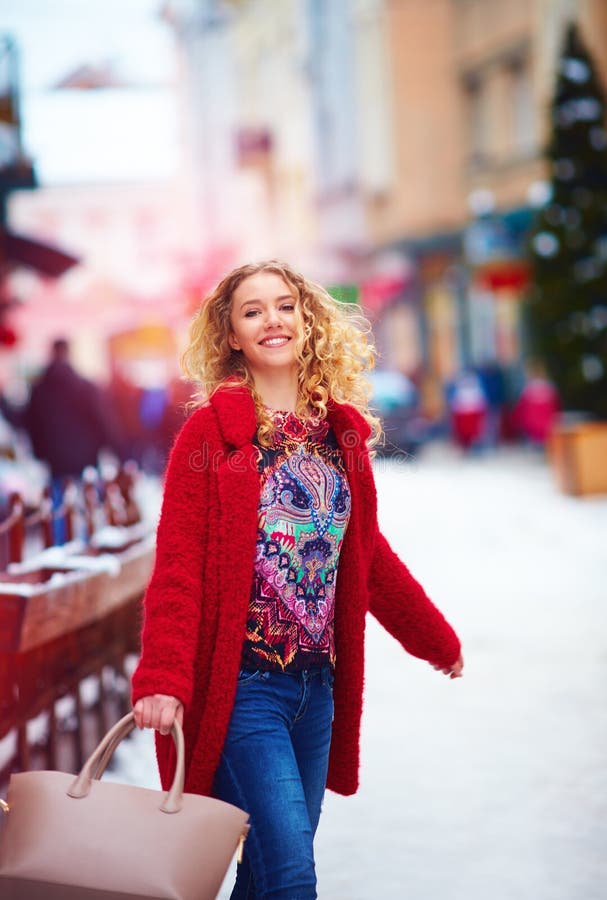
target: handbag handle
104 759
100 757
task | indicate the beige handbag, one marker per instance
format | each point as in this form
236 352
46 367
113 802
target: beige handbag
78 838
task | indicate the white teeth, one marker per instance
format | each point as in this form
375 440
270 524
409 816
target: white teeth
274 342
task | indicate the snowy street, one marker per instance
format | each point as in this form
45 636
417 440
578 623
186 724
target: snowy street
494 785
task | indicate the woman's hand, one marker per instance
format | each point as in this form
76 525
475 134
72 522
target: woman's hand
158 711
454 671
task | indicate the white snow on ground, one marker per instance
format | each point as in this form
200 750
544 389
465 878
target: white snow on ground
494 785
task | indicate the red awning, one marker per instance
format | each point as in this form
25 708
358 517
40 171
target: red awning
380 290
511 274
391 275
34 254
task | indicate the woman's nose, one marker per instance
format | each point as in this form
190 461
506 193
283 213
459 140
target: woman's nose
272 317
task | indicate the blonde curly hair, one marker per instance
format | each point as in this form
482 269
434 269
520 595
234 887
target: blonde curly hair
334 350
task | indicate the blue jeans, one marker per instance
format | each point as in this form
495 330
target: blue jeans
274 765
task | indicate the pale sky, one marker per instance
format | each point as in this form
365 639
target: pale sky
92 136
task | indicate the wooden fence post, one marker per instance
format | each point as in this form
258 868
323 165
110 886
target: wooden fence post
16 535
46 518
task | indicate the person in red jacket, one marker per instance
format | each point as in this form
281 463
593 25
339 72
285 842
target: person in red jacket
269 557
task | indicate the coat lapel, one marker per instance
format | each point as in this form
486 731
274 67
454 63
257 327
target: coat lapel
352 432
235 413
238 487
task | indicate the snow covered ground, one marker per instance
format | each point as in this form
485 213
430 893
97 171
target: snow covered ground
495 785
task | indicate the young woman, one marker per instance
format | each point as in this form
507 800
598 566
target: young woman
268 559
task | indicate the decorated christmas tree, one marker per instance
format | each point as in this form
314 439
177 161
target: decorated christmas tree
567 303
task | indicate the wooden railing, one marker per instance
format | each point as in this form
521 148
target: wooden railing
12 531
92 503
68 615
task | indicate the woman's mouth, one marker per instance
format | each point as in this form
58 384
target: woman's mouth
278 341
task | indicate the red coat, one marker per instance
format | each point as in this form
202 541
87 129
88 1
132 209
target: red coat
197 600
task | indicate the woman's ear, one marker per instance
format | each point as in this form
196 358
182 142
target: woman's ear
232 341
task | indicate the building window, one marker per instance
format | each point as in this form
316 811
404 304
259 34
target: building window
477 118
522 106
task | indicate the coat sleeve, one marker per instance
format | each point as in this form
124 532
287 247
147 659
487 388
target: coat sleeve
402 607
171 608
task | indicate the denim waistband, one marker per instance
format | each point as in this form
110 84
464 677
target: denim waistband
325 673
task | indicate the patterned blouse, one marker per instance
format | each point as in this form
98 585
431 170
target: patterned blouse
303 515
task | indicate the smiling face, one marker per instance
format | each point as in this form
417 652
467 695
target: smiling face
264 323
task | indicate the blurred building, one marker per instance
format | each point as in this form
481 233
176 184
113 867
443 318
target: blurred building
471 81
392 148
18 250
248 138
274 137
288 124
121 207
137 265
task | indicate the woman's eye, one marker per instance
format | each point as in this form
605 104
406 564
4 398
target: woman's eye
289 307
250 313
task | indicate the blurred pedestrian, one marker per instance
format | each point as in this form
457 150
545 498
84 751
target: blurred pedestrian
251 638
493 387
149 418
153 403
124 398
66 417
468 407
68 422
179 393
537 409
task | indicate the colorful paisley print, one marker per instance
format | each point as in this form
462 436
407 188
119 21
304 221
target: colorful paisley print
303 515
